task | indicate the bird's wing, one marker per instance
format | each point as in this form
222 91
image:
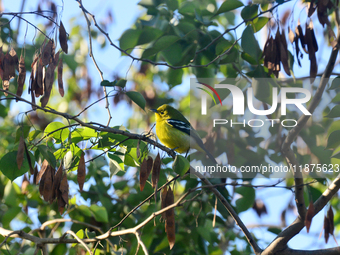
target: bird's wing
186 128
181 125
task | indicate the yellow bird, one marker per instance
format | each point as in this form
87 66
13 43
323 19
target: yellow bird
175 131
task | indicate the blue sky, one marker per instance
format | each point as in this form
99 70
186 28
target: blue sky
124 14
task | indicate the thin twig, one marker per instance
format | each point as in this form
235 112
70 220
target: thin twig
85 12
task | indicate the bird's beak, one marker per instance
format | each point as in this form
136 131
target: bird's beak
154 110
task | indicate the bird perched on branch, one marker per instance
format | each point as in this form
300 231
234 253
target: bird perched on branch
175 131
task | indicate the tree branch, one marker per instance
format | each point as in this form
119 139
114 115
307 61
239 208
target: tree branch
283 239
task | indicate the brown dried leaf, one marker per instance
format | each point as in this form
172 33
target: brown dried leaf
322 12
21 150
5 86
277 66
145 170
312 34
24 185
63 188
61 203
57 180
21 76
36 172
155 171
170 219
313 69
284 52
13 62
48 82
297 50
163 200
47 52
81 172
272 55
43 168
326 227
259 207
48 191
143 174
63 37
39 75
330 216
60 78
299 34
311 8
41 185
309 215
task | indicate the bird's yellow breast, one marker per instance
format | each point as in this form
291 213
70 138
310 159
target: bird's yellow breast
172 137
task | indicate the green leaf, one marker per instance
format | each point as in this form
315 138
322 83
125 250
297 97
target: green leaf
22 131
33 134
121 83
161 44
116 164
333 140
249 11
107 83
129 39
260 23
247 200
173 54
274 230
47 154
228 5
174 77
9 167
80 234
82 134
181 165
3 111
99 213
58 131
334 113
9 215
250 44
187 8
85 210
335 83
149 34
137 98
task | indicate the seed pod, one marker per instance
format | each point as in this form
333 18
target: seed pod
330 217
144 172
60 78
163 200
63 37
284 52
326 227
170 219
43 168
21 76
155 171
309 215
47 52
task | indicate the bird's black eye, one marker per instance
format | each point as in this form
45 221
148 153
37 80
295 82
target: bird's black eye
162 112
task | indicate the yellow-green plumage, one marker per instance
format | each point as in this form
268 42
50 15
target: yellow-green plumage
175 131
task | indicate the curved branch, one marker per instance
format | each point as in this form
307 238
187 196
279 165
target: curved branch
196 53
